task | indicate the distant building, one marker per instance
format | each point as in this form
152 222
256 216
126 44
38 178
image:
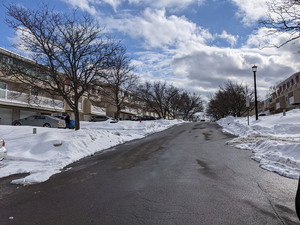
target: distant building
287 95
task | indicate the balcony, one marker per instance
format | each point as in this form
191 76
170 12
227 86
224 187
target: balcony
291 100
129 110
31 100
277 105
98 110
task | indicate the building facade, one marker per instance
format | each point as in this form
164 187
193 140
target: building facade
287 95
18 101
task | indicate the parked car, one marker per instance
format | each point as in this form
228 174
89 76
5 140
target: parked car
103 118
41 120
72 121
136 118
3 152
148 118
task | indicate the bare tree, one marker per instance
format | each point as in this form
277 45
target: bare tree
283 17
230 99
175 104
167 100
190 104
120 81
71 52
158 97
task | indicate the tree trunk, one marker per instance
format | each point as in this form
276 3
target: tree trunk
76 114
77 123
118 112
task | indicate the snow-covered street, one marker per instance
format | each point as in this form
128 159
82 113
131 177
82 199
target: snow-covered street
274 140
50 150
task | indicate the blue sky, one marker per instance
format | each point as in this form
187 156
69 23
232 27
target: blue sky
196 45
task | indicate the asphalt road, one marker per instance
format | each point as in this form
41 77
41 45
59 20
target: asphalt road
184 175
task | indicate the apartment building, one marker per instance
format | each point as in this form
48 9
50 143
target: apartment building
18 101
287 95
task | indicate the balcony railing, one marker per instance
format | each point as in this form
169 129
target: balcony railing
98 110
291 100
32 100
129 110
277 105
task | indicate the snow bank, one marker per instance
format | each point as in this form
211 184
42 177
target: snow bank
274 140
50 150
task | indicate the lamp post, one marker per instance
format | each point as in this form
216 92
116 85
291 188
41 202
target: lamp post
254 69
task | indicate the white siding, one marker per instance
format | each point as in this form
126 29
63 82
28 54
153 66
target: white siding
6 116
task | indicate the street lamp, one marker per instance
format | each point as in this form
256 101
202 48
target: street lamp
254 69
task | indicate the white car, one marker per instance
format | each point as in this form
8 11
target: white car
3 152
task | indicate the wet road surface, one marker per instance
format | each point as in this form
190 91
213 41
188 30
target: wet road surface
184 175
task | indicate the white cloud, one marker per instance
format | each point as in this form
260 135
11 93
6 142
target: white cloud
159 30
231 39
89 5
173 3
180 52
251 11
210 66
85 5
114 3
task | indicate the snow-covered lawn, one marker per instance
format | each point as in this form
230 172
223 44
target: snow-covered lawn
274 140
49 150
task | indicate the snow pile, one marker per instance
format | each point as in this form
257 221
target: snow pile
50 150
274 140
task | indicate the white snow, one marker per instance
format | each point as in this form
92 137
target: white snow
273 139
50 150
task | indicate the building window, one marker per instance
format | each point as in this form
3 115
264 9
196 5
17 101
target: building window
7 60
297 79
288 85
3 90
292 82
3 85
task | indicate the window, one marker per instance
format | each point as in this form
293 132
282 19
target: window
40 117
297 79
7 60
3 85
292 82
30 118
288 85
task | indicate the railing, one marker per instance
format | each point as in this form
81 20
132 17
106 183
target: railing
98 110
291 100
130 110
278 105
26 99
287 90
